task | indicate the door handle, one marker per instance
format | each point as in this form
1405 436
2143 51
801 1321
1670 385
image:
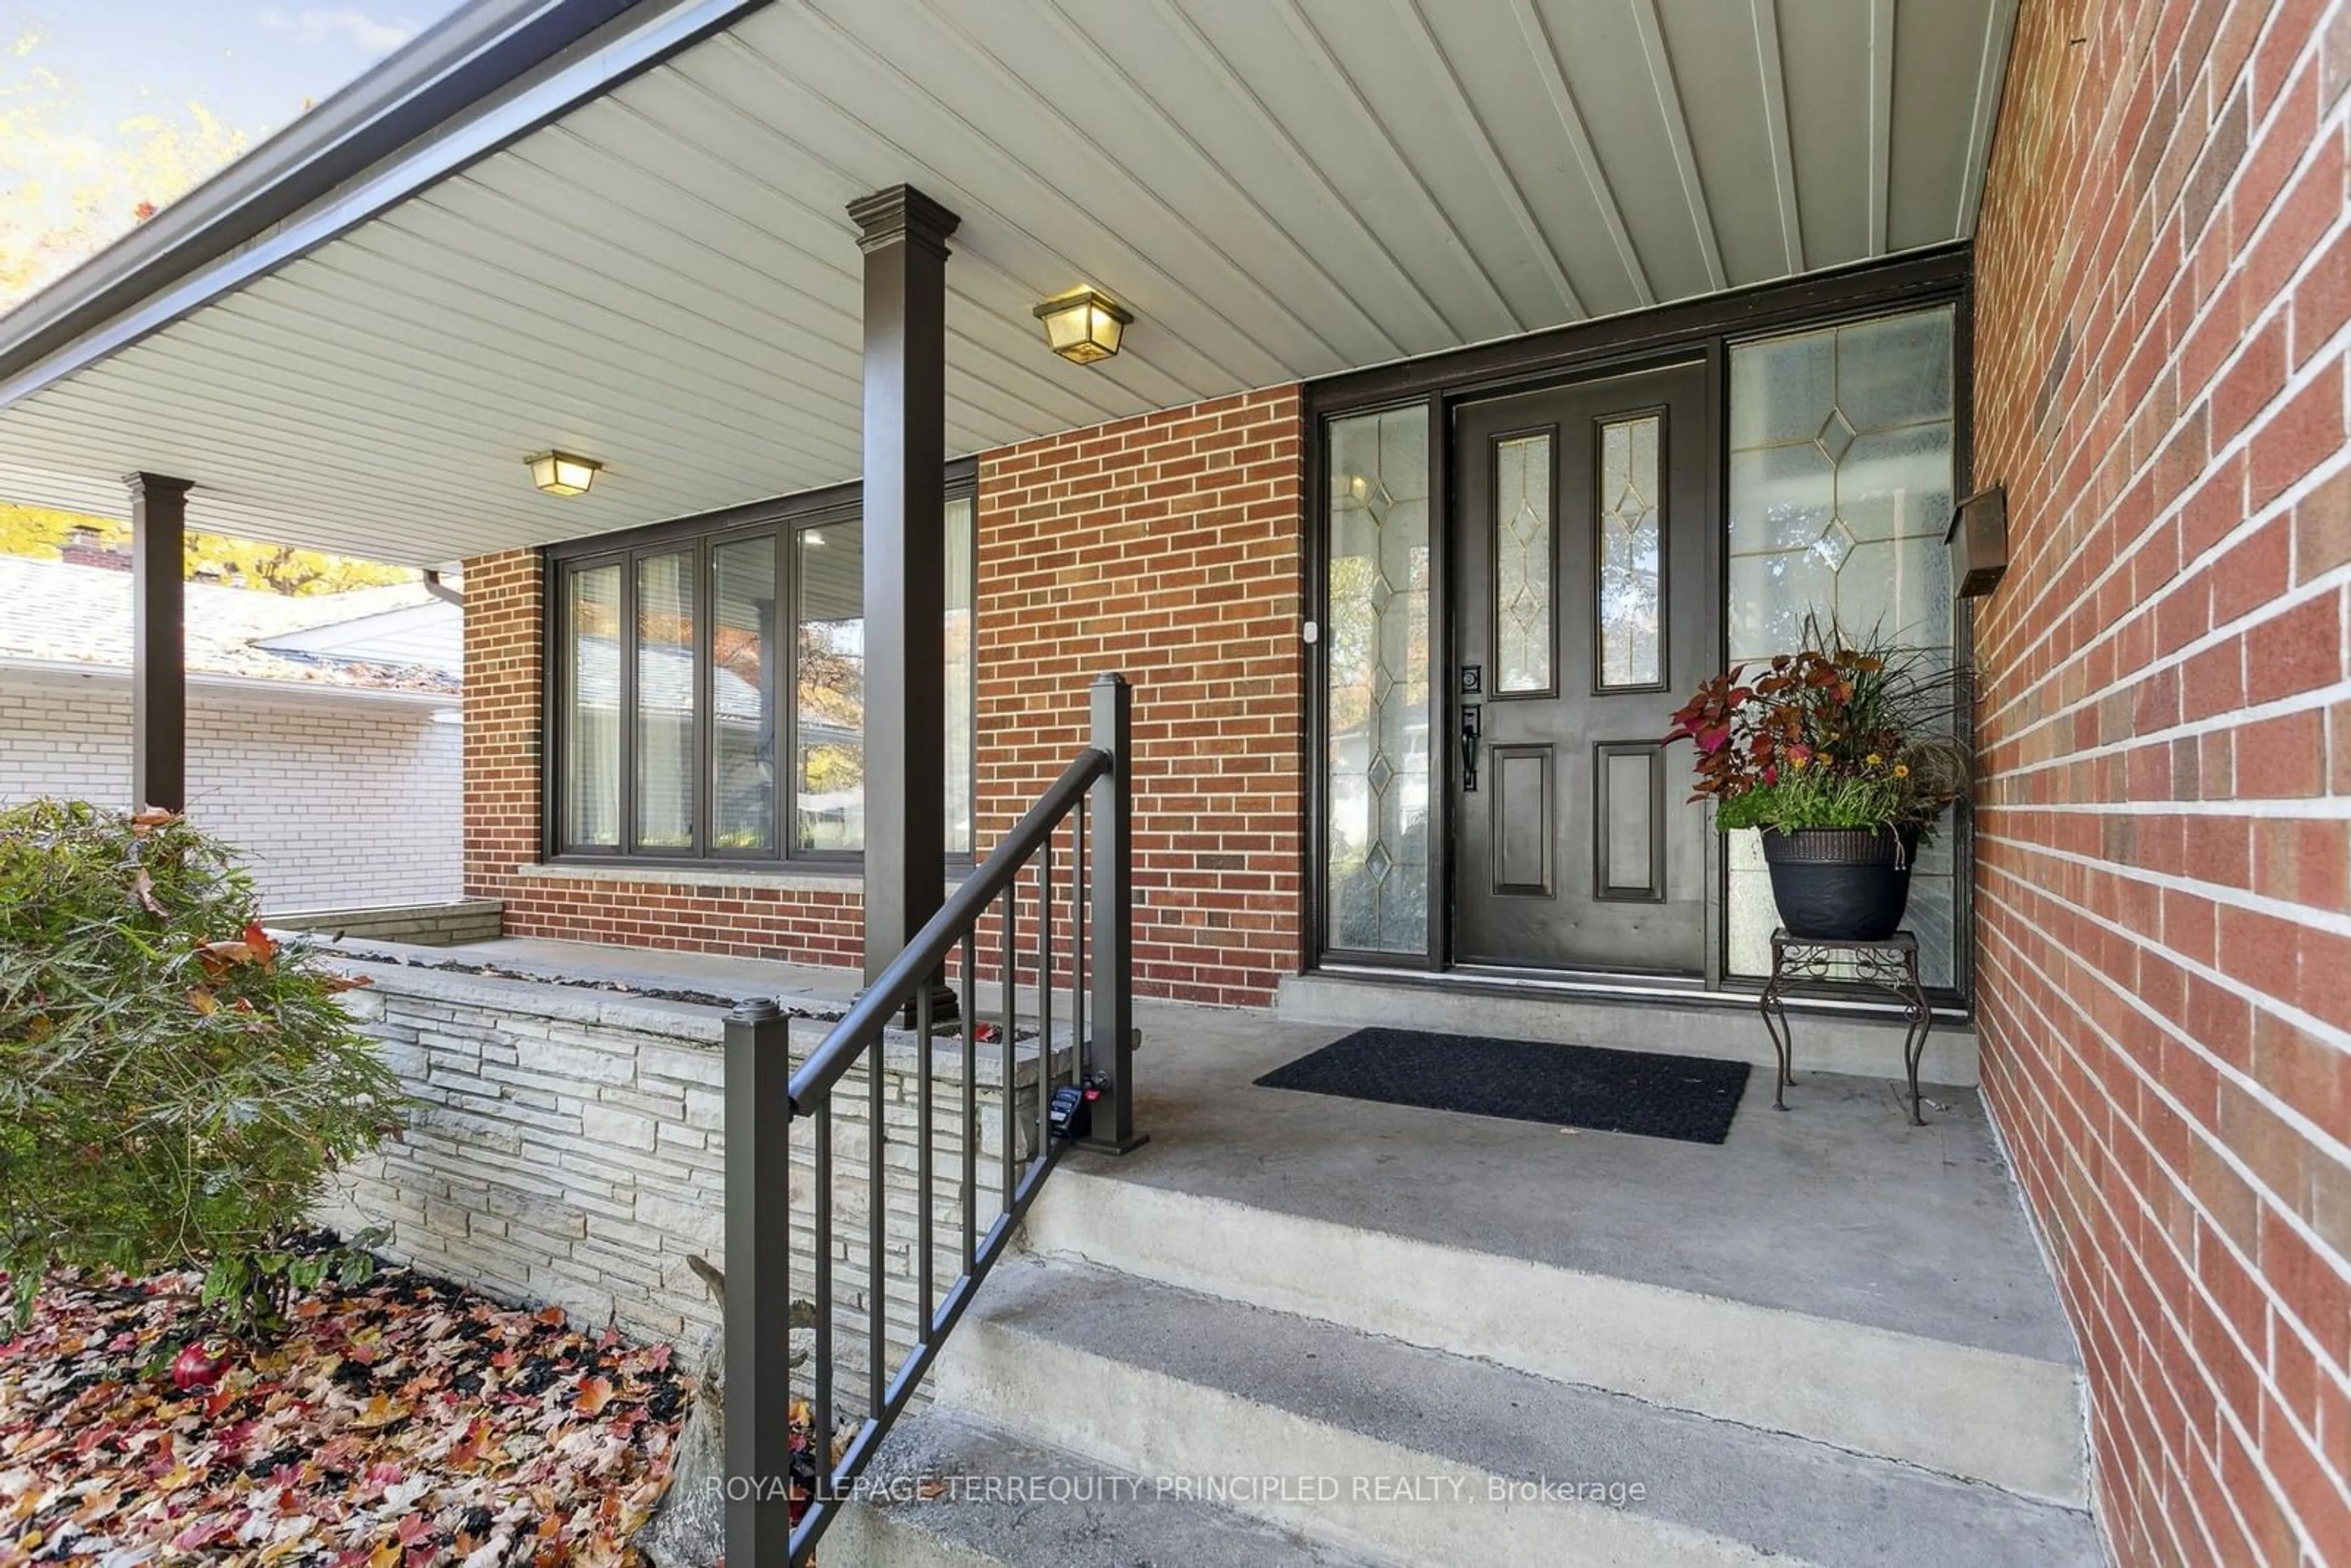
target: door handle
1472 727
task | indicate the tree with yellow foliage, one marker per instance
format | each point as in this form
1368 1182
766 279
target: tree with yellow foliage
64 197
42 534
67 195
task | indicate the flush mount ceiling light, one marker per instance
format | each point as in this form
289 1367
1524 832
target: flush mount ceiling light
561 474
1083 326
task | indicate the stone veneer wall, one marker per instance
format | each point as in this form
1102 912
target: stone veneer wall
446 924
569 1147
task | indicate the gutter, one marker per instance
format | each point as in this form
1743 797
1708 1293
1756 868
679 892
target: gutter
495 71
62 671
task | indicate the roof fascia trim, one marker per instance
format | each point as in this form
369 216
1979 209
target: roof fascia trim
605 52
58 671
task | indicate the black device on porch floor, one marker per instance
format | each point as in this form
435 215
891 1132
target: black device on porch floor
1071 1113
1651 1093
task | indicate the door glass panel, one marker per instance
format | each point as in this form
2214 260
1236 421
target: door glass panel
1841 489
1631 493
591 713
745 674
1523 564
1375 647
828 706
667 701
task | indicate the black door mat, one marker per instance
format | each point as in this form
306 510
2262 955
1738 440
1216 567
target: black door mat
1689 1098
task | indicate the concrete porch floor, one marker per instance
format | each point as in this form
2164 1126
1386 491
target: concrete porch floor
1829 1294
1835 1208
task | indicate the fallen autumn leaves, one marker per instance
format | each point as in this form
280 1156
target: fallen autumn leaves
399 1424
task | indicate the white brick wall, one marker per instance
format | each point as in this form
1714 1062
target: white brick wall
338 802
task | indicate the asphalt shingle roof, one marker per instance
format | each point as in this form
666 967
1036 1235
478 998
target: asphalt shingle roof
57 612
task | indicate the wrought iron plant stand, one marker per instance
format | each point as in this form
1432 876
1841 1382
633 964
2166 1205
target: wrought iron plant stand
1890 963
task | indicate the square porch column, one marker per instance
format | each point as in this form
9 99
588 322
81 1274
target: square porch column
158 660
903 235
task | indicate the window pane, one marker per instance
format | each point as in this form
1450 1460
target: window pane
829 708
737 671
744 672
1376 649
963 664
1841 479
1630 494
1523 564
591 709
666 701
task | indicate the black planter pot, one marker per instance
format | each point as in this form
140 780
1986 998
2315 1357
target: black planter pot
1849 883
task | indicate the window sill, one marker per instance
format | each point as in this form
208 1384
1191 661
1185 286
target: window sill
848 879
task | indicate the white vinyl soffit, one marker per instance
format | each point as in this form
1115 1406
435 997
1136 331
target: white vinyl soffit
664 278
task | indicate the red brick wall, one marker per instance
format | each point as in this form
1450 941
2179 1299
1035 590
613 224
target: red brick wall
1166 547
504 616
504 623
2164 985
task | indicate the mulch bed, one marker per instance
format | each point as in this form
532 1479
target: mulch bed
402 1423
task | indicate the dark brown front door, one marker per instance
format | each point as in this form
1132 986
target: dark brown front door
1585 607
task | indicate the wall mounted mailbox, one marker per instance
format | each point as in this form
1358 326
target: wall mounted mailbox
1979 542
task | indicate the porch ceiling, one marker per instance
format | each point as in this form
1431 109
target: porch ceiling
663 277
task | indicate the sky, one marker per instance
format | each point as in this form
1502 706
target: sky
91 90
249 63
253 63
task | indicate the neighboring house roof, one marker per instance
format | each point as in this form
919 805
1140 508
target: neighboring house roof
665 685
429 634
399 638
664 682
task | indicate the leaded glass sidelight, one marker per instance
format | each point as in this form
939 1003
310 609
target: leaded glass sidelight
1841 489
1631 571
1375 639
1523 563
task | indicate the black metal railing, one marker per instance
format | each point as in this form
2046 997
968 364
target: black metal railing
767 1103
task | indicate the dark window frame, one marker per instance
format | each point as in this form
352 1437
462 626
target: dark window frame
1707 327
782 518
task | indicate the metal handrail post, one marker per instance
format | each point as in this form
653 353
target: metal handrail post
764 1098
1111 1051
758 1116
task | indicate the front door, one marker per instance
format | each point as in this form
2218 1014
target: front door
1586 608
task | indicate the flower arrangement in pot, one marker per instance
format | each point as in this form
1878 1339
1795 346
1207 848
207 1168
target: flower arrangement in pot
1844 754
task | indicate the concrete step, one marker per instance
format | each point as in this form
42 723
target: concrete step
1407 1455
1827 1039
948 1492
1973 1413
